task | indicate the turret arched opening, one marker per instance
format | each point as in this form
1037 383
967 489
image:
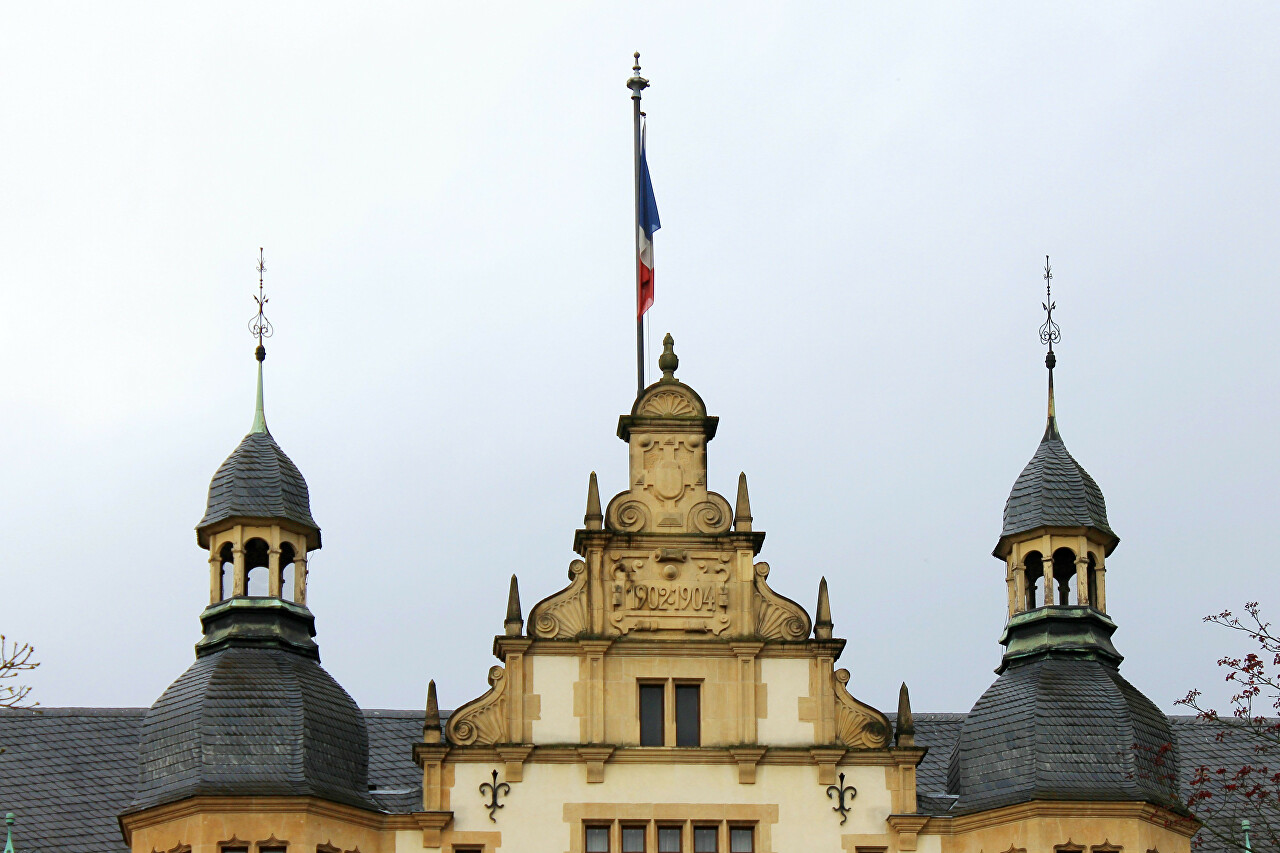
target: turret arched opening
225 558
286 583
1033 566
1064 577
257 559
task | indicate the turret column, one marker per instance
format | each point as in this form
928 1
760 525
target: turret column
240 581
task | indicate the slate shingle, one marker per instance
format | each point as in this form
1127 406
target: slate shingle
258 481
68 772
1054 490
258 721
1057 728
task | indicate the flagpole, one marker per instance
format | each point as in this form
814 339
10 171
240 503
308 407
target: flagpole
637 84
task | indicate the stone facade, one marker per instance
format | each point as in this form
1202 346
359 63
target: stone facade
668 698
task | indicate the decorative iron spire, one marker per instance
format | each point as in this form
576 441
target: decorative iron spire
1050 334
260 327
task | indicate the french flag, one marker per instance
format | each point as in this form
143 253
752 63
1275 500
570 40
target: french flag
649 223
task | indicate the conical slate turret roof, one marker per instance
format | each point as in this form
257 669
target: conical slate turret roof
1054 490
258 481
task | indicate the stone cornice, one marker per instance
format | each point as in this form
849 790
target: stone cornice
794 756
255 805
1059 809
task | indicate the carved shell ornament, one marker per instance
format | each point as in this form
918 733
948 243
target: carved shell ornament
669 404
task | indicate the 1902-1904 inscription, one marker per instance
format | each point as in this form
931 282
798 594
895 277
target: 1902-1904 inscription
675 597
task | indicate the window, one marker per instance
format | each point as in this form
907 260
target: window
597 839
651 717
742 839
633 839
688 728
670 714
706 839
669 839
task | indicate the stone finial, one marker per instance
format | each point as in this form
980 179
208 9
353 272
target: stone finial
594 519
822 626
905 733
742 508
668 361
514 623
431 730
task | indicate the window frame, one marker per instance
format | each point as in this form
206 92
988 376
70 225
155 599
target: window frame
648 687
606 828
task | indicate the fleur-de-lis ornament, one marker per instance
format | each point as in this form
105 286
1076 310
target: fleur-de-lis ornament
496 789
841 791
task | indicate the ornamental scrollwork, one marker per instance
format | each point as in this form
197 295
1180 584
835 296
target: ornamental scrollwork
712 515
778 617
627 516
858 725
565 614
482 720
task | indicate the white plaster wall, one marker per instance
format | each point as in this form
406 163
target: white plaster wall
553 680
533 820
409 841
929 844
786 681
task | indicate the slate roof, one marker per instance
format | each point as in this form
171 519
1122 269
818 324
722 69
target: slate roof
1057 728
1053 490
258 481
68 772
253 721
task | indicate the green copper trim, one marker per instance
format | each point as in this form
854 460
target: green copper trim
258 621
1059 631
8 841
259 413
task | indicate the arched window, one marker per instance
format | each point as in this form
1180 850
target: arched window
256 556
1034 575
286 572
225 558
1064 572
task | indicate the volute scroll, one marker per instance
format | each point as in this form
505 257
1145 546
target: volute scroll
778 617
482 720
565 614
858 725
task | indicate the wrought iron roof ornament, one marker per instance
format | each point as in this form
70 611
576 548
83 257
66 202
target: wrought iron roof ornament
1050 334
259 326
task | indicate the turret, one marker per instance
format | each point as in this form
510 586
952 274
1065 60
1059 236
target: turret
1060 704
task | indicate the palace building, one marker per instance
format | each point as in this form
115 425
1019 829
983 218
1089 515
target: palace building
672 697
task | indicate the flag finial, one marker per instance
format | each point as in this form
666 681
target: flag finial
636 83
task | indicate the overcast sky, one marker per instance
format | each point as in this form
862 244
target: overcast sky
856 203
